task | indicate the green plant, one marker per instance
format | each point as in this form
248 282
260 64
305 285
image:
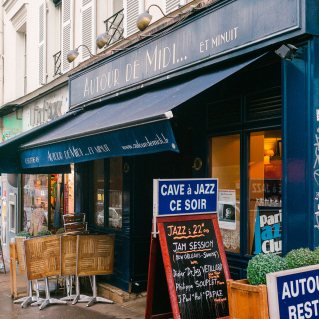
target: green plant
60 231
300 258
44 233
263 264
23 234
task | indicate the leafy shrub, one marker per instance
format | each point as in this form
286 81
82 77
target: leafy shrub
263 264
60 231
44 233
301 257
23 234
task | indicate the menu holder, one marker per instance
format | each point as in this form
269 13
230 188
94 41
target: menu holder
95 256
42 257
195 266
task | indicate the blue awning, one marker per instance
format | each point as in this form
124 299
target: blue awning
10 161
135 126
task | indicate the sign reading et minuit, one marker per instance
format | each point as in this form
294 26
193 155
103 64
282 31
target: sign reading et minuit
185 196
215 33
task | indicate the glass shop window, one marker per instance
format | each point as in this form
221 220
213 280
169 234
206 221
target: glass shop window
115 193
98 168
113 188
35 203
224 164
264 191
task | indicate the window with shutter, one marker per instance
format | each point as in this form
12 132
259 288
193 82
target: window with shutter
42 43
131 12
67 33
88 28
172 5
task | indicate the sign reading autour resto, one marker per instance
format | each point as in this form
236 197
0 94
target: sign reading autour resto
294 294
185 196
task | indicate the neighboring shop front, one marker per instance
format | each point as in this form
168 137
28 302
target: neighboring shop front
34 202
46 197
234 110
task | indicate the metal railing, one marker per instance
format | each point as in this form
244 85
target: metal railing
114 25
57 63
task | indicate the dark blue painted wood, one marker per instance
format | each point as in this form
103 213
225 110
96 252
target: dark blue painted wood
295 136
219 31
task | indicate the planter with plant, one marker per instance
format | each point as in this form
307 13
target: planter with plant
247 298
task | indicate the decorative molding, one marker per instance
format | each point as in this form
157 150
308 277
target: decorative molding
20 17
8 4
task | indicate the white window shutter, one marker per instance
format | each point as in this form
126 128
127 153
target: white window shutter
67 33
172 5
88 28
131 12
42 42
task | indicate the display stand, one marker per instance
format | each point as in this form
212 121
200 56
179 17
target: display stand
95 256
1 258
42 256
20 256
68 268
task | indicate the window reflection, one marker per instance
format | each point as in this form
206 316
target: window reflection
264 176
224 164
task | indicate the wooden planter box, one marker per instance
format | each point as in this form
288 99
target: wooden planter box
247 301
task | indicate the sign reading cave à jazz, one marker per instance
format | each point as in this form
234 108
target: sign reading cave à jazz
218 32
186 196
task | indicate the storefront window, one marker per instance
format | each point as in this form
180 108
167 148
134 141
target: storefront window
264 192
224 164
113 188
69 192
35 211
98 167
115 193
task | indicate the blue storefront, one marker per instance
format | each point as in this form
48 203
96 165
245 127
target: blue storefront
209 97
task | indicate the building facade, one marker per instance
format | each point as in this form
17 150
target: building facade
222 89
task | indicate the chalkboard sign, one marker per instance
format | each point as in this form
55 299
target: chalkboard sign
195 266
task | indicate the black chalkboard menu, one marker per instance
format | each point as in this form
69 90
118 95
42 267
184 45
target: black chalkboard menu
195 266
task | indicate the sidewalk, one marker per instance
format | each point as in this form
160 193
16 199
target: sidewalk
129 310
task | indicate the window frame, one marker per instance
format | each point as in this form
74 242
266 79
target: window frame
90 172
244 130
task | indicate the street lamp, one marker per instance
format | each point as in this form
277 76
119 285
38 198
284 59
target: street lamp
72 55
144 19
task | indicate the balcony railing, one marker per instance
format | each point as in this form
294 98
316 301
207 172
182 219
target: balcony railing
57 63
114 25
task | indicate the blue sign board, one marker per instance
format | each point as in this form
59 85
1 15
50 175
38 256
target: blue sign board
298 295
218 32
185 196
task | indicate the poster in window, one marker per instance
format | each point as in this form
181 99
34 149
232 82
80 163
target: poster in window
227 209
268 229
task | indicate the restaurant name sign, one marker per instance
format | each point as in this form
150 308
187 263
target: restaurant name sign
218 32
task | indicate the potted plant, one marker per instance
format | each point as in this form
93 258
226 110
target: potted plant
247 298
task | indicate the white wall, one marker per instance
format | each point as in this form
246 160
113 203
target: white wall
59 95
13 42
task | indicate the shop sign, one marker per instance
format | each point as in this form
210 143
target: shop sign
268 229
185 196
142 139
206 37
294 294
49 111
